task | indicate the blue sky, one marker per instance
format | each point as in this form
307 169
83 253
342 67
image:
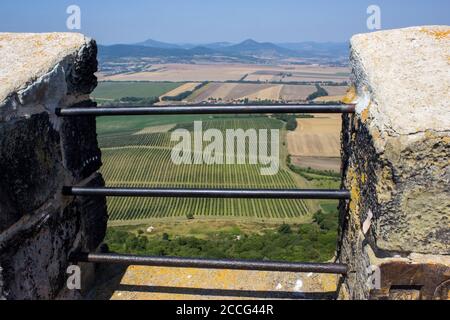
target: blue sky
200 21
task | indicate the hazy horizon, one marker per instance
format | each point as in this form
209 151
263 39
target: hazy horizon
198 22
228 42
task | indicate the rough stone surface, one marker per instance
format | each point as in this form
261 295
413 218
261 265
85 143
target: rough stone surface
396 150
160 283
30 164
25 57
405 75
39 154
35 259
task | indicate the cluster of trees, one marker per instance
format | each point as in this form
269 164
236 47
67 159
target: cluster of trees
320 92
291 120
314 242
132 101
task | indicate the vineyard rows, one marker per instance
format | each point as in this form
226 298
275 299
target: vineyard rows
145 161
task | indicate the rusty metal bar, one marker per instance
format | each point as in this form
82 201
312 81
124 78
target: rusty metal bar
209 193
206 109
109 258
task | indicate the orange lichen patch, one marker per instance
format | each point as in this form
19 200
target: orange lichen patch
365 115
355 192
350 96
438 34
156 283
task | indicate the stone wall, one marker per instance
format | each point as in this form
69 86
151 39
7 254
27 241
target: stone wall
396 156
39 154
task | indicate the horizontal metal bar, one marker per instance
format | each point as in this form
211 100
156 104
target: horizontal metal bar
208 193
332 268
205 109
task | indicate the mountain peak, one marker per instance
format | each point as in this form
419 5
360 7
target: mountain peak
249 41
157 44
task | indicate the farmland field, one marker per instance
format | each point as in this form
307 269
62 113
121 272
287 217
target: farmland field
316 143
109 91
225 72
229 92
316 137
190 86
144 160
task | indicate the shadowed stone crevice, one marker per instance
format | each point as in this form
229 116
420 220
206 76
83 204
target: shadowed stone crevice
94 216
82 156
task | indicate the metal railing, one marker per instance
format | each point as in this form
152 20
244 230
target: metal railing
332 268
205 109
208 193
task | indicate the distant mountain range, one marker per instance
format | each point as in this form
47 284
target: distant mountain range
246 51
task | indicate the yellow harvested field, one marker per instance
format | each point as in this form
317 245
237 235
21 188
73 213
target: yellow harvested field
228 92
225 72
212 90
270 93
190 86
316 137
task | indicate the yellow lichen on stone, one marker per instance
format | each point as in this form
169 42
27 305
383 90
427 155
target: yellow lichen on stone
354 190
437 34
363 178
350 96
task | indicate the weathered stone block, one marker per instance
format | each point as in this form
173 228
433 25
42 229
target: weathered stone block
34 258
39 154
396 157
30 165
398 152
